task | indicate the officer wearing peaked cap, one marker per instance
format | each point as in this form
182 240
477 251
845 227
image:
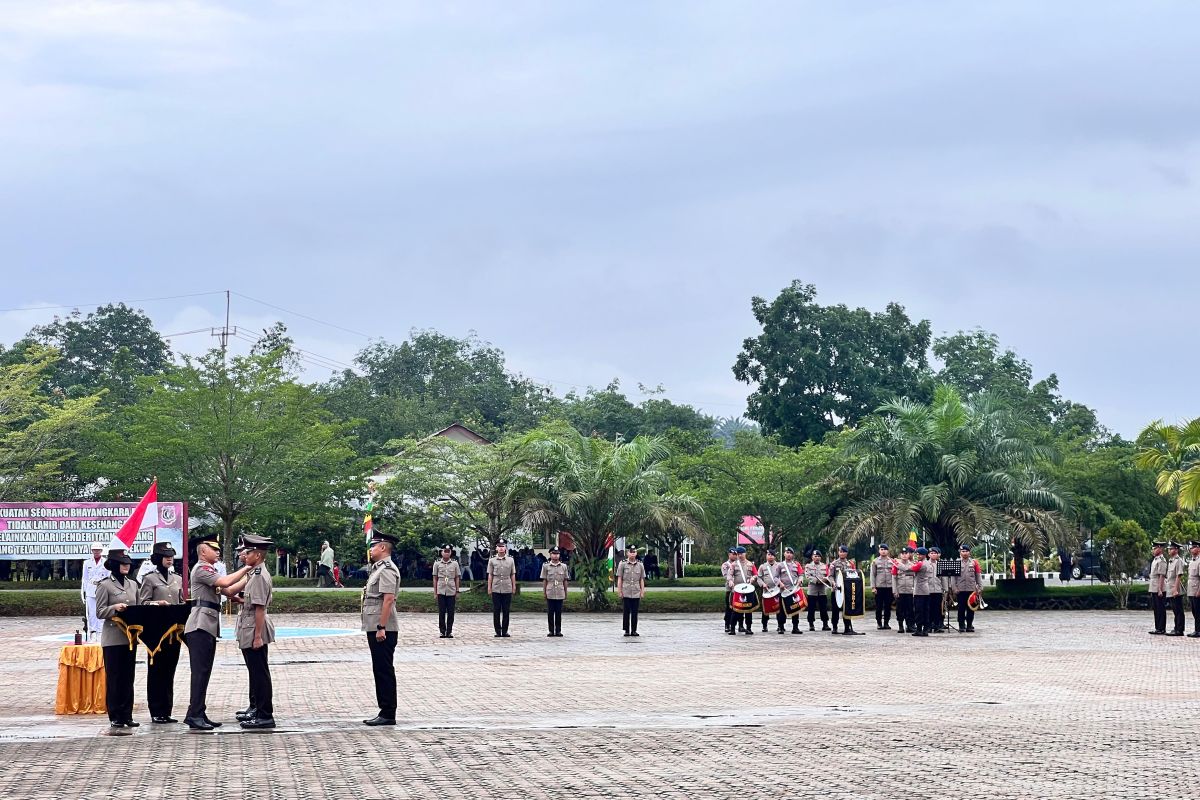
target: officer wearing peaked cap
447 578
379 623
1158 589
255 633
1193 588
114 594
1176 570
554 589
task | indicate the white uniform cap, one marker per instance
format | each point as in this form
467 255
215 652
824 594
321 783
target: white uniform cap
98 546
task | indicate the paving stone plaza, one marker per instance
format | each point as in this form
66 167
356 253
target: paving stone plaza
1035 705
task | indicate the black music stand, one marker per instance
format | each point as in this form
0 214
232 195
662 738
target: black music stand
948 569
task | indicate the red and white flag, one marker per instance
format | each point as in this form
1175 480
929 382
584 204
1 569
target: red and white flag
144 516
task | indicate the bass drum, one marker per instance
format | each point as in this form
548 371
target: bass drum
793 601
848 593
770 601
743 599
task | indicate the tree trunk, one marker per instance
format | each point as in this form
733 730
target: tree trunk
1019 551
227 543
672 565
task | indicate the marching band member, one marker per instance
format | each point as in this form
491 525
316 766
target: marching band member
968 580
921 589
744 571
768 578
881 587
937 593
727 573
815 588
904 582
789 579
840 564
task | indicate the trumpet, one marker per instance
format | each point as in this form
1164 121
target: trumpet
975 602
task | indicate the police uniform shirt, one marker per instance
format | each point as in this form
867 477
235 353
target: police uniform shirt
384 579
768 575
1175 571
788 574
881 572
968 579
631 575
447 573
1193 580
904 580
815 573
257 593
838 565
155 588
503 572
742 571
924 572
727 572
1158 575
203 586
555 576
108 594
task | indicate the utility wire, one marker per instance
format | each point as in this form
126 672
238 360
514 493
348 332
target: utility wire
112 302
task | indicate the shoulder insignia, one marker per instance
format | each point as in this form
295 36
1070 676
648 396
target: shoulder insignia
257 571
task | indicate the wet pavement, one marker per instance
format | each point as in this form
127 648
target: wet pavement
1045 704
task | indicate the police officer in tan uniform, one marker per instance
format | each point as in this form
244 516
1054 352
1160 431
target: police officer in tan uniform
816 586
447 578
554 589
1193 589
501 582
162 586
881 587
255 632
904 583
727 568
114 594
1176 570
631 586
968 581
1158 589
203 627
767 577
789 578
379 623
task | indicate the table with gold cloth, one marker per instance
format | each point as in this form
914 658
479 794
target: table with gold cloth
80 680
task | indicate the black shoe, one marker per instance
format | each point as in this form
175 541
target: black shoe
377 721
962 628
1157 633
781 630
764 628
635 633
163 720
900 629
497 636
558 633
970 629
1195 635
749 632
626 633
258 724
449 635
1175 633
116 726
505 636
550 634
811 628
797 630
130 723
824 627
441 636
198 723
210 722
887 626
878 626
242 716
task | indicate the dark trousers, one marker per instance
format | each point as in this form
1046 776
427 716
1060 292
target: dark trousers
822 602
261 693
554 616
202 648
905 612
446 613
1176 604
836 613
1158 602
937 620
384 670
781 621
160 680
966 617
883 606
1196 614
119 662
324 576
629 612
921 611
501 606
728 610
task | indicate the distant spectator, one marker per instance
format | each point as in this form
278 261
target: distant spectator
337 575
1064 569
325 567
650 562
303 565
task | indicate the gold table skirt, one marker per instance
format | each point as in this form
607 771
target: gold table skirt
80 680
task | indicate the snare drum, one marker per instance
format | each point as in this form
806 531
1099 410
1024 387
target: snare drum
794 601
770 601
744 599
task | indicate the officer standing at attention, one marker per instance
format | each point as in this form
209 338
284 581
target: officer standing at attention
744 572
255 632
815 587
379 623
114 594
768 578
162 586
968 580
937 593
1193 589
554 589
1176 569
881 587
904 582
789 578
727 568
840 564
631 586
204 627
447 577
1158 589
502 580
93 571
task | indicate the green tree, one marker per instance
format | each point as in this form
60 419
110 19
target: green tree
598 491
470 487
816 368
1179 526
1122 546
107 350
959 470
608 413
785 488
1107 487
1172 453
36 429
276 341
240 440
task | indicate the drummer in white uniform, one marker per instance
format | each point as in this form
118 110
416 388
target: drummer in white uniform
768 580
788 576
93 570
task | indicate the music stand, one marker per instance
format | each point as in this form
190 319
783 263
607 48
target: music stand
950 568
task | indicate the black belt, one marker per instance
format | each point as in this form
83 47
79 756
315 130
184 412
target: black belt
208 604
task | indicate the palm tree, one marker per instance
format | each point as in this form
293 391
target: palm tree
1173 452
956 469
598 490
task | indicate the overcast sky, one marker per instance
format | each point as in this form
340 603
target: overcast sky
600 188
